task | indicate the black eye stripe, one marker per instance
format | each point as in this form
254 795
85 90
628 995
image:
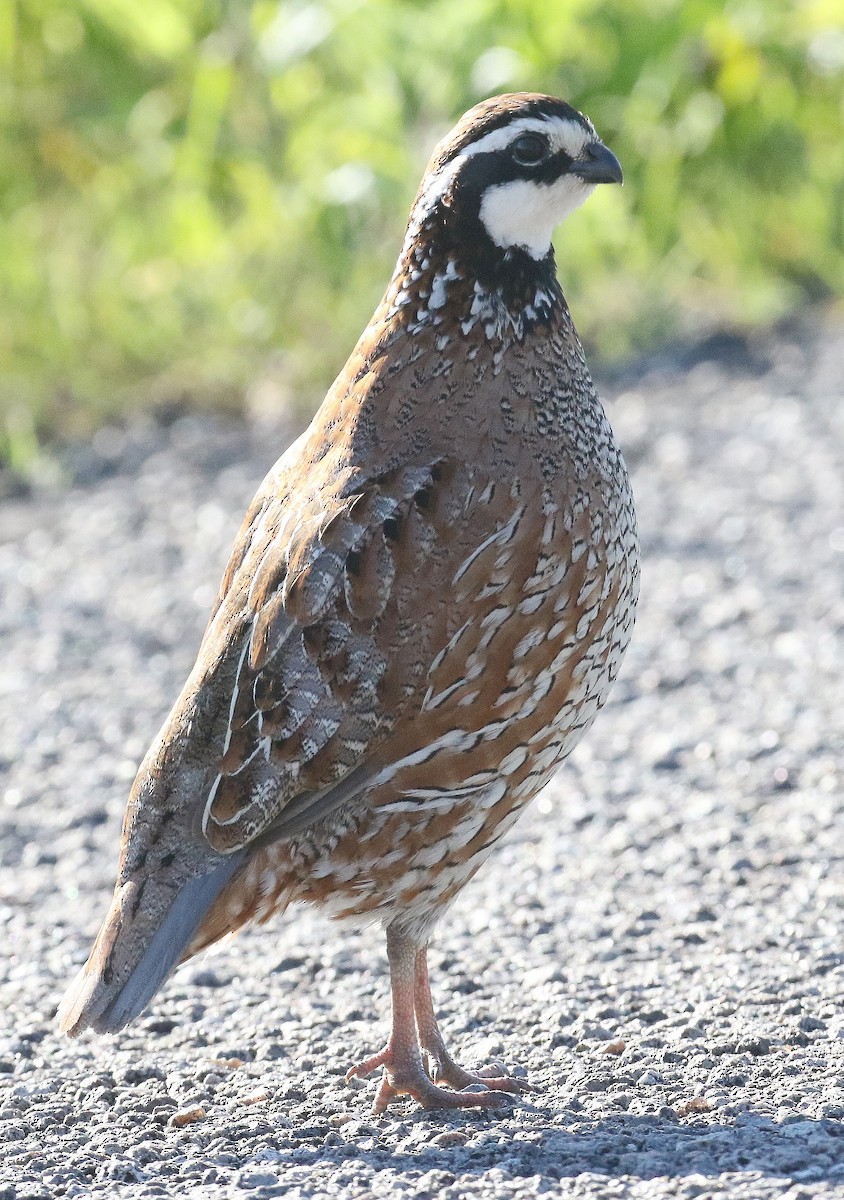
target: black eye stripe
493 167
530 149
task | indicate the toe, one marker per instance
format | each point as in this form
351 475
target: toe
367 1066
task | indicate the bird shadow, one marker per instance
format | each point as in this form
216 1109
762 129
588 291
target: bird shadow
643 1147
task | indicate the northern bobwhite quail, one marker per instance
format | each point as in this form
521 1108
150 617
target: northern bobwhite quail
423 611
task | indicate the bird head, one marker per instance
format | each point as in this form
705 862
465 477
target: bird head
509 172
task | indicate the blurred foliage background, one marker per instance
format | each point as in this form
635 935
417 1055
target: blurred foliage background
202 200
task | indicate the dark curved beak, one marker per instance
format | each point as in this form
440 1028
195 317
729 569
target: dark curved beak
598 165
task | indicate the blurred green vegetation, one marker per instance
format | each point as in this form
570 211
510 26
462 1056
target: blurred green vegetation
203 199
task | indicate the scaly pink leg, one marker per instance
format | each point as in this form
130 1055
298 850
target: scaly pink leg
404 1072
441 1066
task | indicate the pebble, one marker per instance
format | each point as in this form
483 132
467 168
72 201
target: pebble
187 1116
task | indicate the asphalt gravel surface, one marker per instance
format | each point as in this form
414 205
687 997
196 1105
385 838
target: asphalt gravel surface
658 943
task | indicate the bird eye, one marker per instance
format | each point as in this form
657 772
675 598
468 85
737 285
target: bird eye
529 149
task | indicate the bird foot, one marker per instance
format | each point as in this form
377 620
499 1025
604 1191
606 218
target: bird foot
443 1069
406 1076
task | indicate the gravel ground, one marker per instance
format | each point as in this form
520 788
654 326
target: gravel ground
658 943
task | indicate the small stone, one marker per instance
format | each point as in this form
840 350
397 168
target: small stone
250 1181
187 1116
597 1085
653 1017
754 1045
798 1126
13 1132
810 1024
450 1137
697 1104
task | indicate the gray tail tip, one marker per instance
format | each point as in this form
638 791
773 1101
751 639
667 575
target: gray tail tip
79 1007
92 1003
107 1005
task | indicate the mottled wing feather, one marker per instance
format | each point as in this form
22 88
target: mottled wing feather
304 708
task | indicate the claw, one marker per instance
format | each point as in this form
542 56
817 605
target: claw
433 1066
359 1070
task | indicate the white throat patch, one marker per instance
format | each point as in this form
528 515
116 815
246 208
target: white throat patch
525 214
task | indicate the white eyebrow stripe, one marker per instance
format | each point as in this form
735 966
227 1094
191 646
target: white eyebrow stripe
563 132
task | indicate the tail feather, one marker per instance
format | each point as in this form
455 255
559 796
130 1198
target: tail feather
132 957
